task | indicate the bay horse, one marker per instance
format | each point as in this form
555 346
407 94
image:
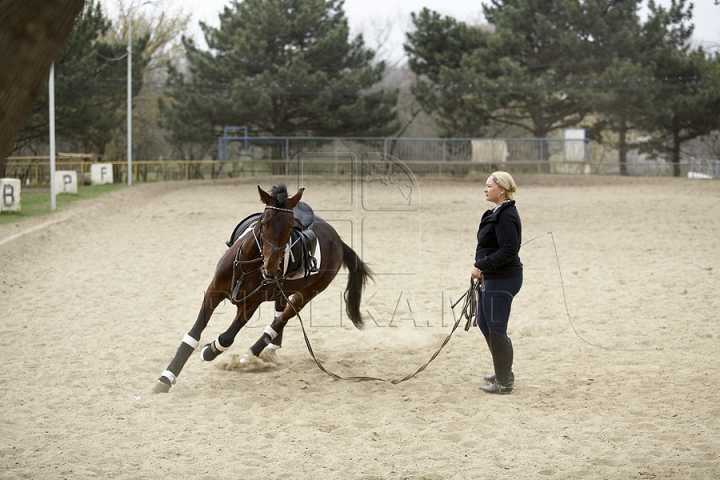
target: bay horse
254 270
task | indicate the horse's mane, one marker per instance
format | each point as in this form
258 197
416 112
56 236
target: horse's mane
280 195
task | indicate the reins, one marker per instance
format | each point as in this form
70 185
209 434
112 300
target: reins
469 312
471 293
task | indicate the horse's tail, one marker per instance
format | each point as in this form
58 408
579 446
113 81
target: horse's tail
359 273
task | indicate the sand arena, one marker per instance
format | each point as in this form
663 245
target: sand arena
96 300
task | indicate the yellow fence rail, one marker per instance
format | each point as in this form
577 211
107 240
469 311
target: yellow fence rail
35 171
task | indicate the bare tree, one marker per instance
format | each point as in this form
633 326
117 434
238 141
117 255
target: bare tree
32 35
164 28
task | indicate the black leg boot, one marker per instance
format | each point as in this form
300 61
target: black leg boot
502 353
491 378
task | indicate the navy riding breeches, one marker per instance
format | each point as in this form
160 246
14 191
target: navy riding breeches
495 303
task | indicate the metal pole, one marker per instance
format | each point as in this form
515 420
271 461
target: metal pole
129 101
51 99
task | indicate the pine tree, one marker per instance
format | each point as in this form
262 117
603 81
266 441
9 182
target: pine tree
530 73
279 67
686 98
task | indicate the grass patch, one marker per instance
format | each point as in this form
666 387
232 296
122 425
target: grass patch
38 204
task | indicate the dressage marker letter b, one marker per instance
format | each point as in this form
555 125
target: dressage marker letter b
10 192
8 195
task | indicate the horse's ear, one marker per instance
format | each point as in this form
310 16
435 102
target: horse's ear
264 196
292 202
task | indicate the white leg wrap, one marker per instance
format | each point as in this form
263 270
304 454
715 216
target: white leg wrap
218 346
278 314
169 375
191 341
269 330
272 346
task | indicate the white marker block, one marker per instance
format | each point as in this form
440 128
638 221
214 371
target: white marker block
101 173
9 194
66 182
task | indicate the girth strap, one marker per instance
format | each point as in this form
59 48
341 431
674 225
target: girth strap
301 255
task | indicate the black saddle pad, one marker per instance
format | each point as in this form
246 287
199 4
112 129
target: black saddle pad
304 219
246 223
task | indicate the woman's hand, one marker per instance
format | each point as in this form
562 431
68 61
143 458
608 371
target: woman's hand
475 274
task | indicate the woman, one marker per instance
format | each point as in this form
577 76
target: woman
498 264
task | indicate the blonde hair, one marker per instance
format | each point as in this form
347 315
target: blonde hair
505 181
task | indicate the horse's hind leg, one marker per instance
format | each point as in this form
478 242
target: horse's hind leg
189 343
273 332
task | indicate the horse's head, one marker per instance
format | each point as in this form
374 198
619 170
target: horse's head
275 226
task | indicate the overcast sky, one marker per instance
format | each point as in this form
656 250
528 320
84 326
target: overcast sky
373 18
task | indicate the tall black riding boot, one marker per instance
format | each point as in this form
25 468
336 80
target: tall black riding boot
502 353
491 378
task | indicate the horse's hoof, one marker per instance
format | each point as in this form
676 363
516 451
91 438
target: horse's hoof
208 353
249 359
161 387
270 355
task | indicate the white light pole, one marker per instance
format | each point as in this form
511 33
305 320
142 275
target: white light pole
129 89
129 99
51 100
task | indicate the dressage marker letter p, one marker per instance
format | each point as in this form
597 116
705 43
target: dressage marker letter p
66 181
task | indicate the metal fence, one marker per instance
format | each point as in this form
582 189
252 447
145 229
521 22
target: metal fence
483 150
261 156
704 168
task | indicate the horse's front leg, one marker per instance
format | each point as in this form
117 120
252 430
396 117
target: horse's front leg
189 342
225 340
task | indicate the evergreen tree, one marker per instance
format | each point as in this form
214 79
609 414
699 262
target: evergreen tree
686 97
531 73
279 67
622 88
435 49
620 96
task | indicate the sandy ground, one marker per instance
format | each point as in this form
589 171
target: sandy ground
96 300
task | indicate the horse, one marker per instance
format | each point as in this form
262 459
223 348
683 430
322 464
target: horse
255 269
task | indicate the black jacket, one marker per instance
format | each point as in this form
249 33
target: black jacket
498 245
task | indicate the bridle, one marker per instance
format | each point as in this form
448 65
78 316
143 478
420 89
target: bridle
260 240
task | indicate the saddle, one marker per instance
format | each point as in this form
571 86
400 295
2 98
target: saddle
300 260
